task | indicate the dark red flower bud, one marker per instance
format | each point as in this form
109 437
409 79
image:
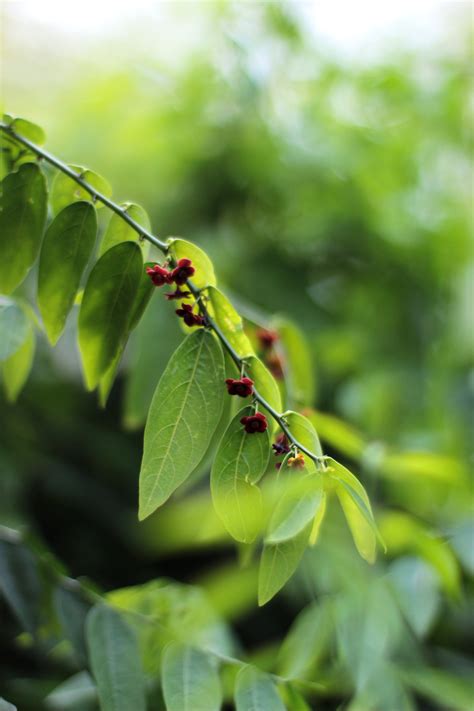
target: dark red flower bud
275 365
159 275
296 462
266 337
190 319
178 294
281 445
255 423
278 465
242 387
182 271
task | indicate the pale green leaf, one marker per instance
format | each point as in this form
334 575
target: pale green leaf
66 250
444 688
115 661
22 219
357 510
230 322
6 706
278 563
65 190
299 368
77 693
298 504
107 307
318 520
240 462
265 384
303 430
306 642
338 434
14 327
181 249
27 129
184 414
256 691
16 368
190 681
120 231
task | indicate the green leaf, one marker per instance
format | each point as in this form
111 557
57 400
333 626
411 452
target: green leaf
303 430
265 383
72 611
416 588
190 682
278 563
107 307
16 368
27 129
318 519
14 327
65 190
256 691
142 298
240 462
120 231
230 322
181 249
20 583
152 345
445 689
22 219
115 661
357 510
306 642
6 706
78 693
66 250
299 371
298 504
184 414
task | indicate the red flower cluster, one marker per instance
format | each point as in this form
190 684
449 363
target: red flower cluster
189 318
179 275
178 294
254 423
281 445
242 387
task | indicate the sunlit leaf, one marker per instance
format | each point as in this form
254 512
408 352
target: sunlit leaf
357 510
115 661
297 505
230 322
184 414
27 129
190 682
240 462
66 250
181 249
278 563
106 308
265 384
120 231
65 190
256 691
338 434
303 431
22 219
16 368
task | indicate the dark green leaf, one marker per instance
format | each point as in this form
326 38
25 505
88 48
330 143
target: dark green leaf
184 414
20 583
66 250
72 610
107 307
22 219
240 462
115 661
190 682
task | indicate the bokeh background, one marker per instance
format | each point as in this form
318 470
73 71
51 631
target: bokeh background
321 154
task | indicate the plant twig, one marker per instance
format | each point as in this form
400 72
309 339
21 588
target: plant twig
163 247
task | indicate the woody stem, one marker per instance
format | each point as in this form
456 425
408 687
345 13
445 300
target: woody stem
163 247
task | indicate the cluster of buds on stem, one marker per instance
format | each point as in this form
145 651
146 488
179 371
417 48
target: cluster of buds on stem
160 275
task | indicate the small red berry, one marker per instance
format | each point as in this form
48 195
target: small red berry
190 319
254 423
182 272
159 275
266 337
242 387
177 294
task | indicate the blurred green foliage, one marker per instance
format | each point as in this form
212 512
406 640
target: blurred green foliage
338 196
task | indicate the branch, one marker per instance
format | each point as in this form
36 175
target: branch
163 247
